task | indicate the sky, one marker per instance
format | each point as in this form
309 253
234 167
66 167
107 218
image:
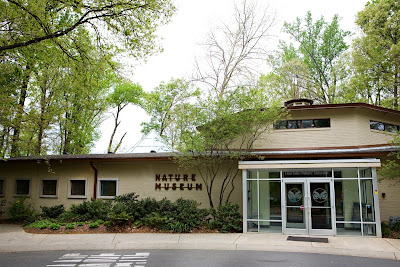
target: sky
181 40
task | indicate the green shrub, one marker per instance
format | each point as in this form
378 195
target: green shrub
155 220
227 218
42 224
55 226
21 211
386 231
53 211
80 223
92 210
95 224
70 226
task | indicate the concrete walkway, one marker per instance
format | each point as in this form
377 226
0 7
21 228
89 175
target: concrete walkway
13 238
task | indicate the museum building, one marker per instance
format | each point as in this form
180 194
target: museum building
313 174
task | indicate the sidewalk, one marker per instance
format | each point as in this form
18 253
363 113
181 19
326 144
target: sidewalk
13 238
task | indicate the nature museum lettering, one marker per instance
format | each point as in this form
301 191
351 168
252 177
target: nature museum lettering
169 178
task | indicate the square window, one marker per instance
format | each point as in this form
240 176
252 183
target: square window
22 186
1 187
77 188
293 124
49 188
108 188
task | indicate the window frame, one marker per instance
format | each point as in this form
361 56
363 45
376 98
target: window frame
70 188
41 188
385 126
99 180
283 125
2 193
16 187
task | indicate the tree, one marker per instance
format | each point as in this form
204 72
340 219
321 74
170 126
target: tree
25 23
164 104
234 50
125 93
376 54
321 45
219 127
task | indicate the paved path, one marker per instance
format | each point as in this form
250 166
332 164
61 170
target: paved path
13 238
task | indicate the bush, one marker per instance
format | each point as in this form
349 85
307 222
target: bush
21 211
55 226
96 209
386 231
95 224
42 224
70 226
227 218
53 211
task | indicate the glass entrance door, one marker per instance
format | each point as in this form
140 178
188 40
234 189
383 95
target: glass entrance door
308 207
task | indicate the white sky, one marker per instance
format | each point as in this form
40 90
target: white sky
187 29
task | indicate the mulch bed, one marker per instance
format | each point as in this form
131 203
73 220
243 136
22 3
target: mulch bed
102 229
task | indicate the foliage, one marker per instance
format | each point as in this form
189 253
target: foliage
321 45
386 231
92 210
53 211
55 226
163 104
376 54
391 168
130 22
95 224
124 93
21 211
227 218
70 226
42 224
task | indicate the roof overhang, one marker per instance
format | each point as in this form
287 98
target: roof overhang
310 164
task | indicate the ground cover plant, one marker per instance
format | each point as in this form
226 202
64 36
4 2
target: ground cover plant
128 213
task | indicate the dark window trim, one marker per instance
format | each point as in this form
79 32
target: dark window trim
16 188
41 188
385 126
4 185
283 125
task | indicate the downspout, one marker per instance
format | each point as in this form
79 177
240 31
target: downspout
95 180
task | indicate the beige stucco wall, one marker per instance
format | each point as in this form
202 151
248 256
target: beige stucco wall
138 177
349 127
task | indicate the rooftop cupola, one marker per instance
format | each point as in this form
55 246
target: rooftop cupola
298 102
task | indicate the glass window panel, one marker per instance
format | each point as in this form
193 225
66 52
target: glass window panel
270 227
369 229
252 203
308 123
321 218
295 218
270 200
280 125
293 124
294 195
365 173
345 173
353 229
22 187
78 187
108 188
1 187
377 125
367 201
322 123
49 187
252 226
307 173
269 174
320 195
390 128
347 200
251 174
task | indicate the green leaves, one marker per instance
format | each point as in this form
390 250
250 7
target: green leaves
321 44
